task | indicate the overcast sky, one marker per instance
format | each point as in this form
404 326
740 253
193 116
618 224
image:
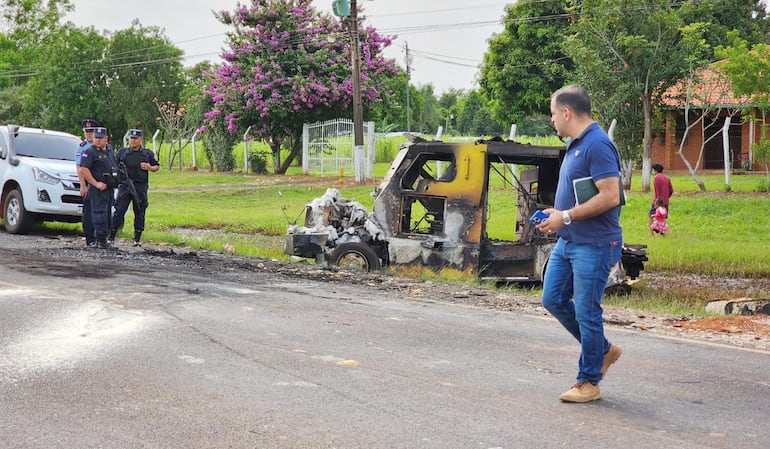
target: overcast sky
447 38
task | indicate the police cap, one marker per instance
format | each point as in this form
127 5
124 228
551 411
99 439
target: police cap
137 133
89 124
100 132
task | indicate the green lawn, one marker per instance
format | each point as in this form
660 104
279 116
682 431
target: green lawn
711 233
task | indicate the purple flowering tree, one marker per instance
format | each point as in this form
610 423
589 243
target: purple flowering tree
288 64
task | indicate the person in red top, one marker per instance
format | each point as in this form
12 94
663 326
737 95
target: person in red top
662 189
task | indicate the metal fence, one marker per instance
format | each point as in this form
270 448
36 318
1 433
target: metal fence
327 148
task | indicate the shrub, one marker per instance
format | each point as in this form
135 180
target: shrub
258 162
219 149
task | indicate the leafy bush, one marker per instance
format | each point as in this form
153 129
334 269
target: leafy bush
258 162
219 149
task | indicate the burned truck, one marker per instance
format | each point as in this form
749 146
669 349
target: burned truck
463 206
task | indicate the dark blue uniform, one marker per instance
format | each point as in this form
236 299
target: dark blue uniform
89 125
132 160
88 226
104 168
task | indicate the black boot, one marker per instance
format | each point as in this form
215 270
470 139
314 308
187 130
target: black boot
102 243
138 238
111 237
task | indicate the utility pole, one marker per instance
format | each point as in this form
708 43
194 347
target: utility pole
358 115
408 61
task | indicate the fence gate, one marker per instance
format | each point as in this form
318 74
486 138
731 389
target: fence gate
327 147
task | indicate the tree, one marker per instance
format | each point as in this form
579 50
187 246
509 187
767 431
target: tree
526 62
634 48
174 121
748 17
287 65
219 143
30 21
390 112
68 86
140 64
474 117
428 117
628 54
13 80
26 27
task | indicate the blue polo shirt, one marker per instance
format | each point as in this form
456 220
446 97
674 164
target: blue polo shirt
590 154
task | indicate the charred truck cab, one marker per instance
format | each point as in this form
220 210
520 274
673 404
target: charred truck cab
462 206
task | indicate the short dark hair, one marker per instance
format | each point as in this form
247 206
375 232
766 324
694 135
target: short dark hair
658 168
574 97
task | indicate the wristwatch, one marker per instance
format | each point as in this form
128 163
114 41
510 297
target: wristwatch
565 218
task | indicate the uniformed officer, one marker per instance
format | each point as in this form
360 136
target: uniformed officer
101 176
138 162
88 131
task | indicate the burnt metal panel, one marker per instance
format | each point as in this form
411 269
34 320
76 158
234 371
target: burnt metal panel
514 261
306 245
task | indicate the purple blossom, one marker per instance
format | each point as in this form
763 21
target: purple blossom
280 70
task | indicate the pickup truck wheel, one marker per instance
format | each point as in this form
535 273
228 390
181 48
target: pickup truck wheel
356 256
16 219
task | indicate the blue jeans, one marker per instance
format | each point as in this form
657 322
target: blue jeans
581 270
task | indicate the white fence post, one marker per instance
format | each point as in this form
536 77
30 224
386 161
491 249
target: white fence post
246 151
155 148
195 134
371 150
358 162
305 148
726 149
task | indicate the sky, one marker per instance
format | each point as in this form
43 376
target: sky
447 39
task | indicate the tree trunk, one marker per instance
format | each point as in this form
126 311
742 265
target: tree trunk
296 150
275 146
693 171
627 170
647 142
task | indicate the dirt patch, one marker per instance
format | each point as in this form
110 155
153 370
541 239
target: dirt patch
757 325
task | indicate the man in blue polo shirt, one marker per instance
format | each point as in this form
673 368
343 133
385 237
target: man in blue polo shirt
590 238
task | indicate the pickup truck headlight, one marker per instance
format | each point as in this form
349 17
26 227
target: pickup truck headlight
44 177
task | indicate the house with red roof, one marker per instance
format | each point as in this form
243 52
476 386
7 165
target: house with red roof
703 104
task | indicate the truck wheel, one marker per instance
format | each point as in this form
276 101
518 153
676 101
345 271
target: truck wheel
356 256
15 217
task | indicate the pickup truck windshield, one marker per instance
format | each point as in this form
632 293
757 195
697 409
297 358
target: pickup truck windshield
46 146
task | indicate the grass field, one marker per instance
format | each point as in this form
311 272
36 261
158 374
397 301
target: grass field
712 233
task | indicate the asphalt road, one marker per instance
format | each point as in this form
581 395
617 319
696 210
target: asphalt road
102 350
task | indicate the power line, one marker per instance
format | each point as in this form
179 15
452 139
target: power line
435 11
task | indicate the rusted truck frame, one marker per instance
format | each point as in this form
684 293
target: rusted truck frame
432 210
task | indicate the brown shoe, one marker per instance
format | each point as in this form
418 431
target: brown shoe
611 357
582 392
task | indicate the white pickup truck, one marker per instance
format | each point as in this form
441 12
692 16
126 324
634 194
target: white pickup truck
38 177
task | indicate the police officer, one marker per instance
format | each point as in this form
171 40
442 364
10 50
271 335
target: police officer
138 161
100 172
88 131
